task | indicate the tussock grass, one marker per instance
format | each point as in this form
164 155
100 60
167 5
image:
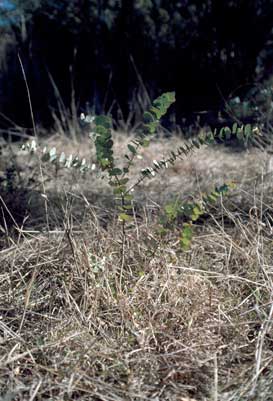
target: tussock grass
79 321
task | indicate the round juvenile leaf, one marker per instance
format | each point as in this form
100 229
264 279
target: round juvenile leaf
115 171
132 149
234 128
127 207
128 198
148 117
247 131
123 181
104 121
124 217
119 190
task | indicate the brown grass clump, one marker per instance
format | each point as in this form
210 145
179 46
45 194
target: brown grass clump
83 318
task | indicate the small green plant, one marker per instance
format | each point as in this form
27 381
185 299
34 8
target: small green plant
119 176
190 212
59 160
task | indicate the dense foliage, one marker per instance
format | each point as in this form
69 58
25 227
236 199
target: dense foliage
115 52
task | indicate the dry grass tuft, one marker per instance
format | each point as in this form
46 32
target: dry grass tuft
80 320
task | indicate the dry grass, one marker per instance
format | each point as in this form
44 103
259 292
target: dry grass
80 322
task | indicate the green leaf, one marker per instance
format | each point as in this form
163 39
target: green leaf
115 172
119 190
171 211
148 117
124 217
104 163
162 103
186 237
210 137
128 198
212 197
156 112
234 128
104 121
103 142
132 149
127 207
146 142
152 126
225 133
248 132
240 133
196 212
123 181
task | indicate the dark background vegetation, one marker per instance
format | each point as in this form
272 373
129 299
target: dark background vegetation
116 55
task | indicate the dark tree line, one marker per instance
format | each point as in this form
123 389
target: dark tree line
116 54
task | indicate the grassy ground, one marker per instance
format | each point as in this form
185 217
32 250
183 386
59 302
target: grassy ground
82 320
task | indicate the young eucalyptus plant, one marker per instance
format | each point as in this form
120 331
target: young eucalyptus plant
118 177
